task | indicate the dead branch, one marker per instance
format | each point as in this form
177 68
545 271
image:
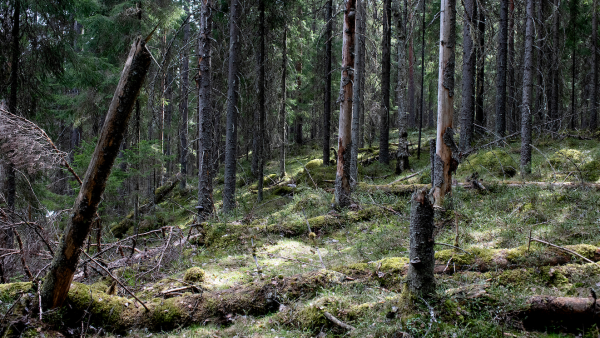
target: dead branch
562 248
25 267
338 322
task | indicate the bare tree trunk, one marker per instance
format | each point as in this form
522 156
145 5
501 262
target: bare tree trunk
232 97
283 101
60 275
342 177
468 77
480 78
511 100
327 104
183 104
594 89
421 281
357 94
402 154
444 163
207 148
261 99
526 115
501 79
384 132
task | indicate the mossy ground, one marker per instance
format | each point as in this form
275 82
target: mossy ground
376 240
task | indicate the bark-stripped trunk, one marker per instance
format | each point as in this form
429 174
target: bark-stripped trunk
327 104
554 114
444 163
232 97
58 280
468 77
283 99
526 115
183 104
501 62
420 277
480 78
594 87
261 99
357 94
342 177
402 154
384 132
206 115
512 119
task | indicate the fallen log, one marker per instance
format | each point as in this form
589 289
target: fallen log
567 312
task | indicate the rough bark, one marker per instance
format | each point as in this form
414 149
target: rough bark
468 77
511 117
168 118
554 113
444 163
261 99
402 153
183 104
232 97
58 280
568 312
480 78
412 118
501 66
422 261
342 177
283 101
361 40
206 115
327 101
422 98
356 94
384 130
594 87
527 84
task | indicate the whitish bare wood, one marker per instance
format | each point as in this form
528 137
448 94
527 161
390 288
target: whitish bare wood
338 322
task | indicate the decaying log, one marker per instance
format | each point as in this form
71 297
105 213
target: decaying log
569 312
58 280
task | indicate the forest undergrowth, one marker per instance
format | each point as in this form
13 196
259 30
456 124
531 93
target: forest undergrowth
260 272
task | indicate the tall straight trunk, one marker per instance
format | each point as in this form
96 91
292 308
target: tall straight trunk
261 98
511 100
526 115
60 274
594 87
327 101
402 154
422 99
501 65
573 119
541 63
283 99
183 104
361 41
480 75
412 118
357 94
12 105
384 132
554 114
468 77
207 148
444 163
167 123
342 177
232 97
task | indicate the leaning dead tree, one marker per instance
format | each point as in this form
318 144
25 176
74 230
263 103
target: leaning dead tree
63 266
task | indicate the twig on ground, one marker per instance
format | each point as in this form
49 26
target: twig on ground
338 322
406 177
432 314
116 280
564 249
455 247
161 255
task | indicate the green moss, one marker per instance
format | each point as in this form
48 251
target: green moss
591 170
166 315
104 308
10 290
314 164
194 275
281 190
393 264
458 257
586 250
516 277
497 162
565 158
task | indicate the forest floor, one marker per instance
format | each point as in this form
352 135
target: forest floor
483 288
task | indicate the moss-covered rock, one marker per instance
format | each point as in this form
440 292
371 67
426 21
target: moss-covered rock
194 275
497 162
565 158
591 170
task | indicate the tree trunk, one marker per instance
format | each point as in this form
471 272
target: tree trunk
58 280
327 104
357 94
420 277
232 97
594 87
260 137
361 40
412 118
501 62
384 132
342 177
444 163
511 120
527 83
206 116
402 154
167 123
183 104
480 78
283 101
554 113
468 77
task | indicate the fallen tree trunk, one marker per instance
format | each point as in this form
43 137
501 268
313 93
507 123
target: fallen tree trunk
568 312
58 280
